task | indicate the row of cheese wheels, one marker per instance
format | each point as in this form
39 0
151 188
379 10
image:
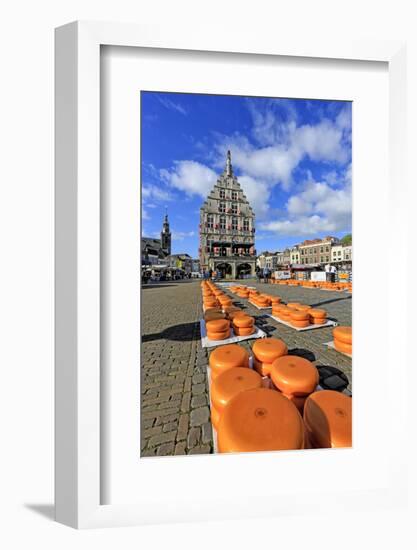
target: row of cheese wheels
299 315
221 316
341 285
213 297
288 415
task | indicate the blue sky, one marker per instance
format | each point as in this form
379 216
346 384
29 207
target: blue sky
292 157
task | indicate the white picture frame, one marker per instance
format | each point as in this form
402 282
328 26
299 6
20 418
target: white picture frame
78 321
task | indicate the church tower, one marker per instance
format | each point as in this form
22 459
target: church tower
166 236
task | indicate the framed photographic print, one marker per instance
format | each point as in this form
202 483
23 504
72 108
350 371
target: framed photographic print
213 201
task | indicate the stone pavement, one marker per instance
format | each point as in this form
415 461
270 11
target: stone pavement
175 416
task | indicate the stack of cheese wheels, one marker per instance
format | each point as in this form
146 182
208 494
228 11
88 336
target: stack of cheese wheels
210 303
295 377
265 298
265 351
225 301
293 305
303 307
318 316
275 300
284 313
228 384
259 420
218 329
227 357
231 309
261 300
328 419
343 339
243 325
299 319
213 314
234 313
276 309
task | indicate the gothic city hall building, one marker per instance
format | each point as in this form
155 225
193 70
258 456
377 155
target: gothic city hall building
227 229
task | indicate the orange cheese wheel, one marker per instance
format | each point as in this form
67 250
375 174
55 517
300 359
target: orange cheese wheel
293 305
343 347
266 350
229 309
328 419
264 369
223 335
303 307
230 383
233 314
300 324
228 357
209 308
244 331
243 321
212 315
318 320
275 299
215 417
299 315
217 325
343 334
285 313
259 420
320 313
294 375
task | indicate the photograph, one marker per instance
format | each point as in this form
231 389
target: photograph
245 273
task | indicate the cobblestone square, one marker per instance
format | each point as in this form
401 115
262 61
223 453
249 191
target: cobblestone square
175 414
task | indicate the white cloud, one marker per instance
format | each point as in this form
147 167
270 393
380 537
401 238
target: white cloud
318 208
153 192
322 142
172 105
282 145
191 177
145 215
301 226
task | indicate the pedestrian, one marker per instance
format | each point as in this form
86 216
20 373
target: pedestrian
327 269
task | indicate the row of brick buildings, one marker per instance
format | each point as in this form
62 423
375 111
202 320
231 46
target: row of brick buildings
329 250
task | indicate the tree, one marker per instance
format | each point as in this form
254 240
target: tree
346 240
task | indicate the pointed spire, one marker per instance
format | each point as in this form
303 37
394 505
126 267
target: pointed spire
229 169
166 215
